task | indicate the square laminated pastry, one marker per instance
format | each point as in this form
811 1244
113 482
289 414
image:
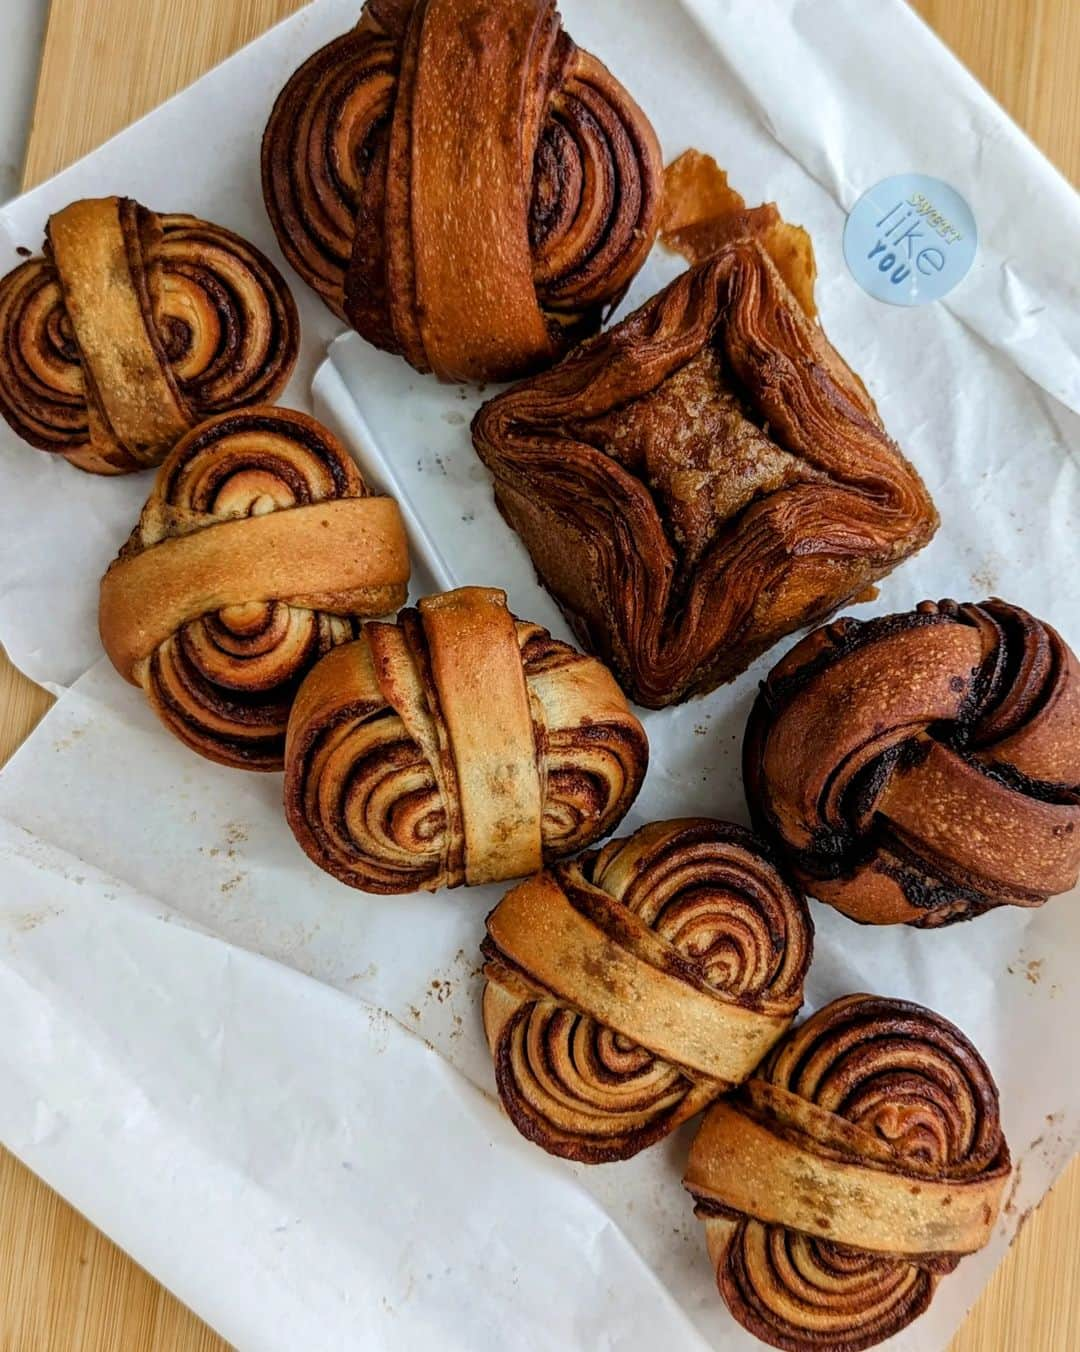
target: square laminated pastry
709 475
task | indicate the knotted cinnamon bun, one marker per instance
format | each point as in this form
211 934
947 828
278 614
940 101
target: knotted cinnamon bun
133 327
853 1171
458 745
258 550
462 184
923 767
627 989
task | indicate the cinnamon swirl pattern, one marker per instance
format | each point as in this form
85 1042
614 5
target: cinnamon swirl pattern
627 989
132 328
462 184
257 551
458 745
923 767
705 477
860 1164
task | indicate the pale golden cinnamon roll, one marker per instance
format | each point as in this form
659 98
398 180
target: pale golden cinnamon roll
627 989
849 1174
132 328
458 745
258 550
462 183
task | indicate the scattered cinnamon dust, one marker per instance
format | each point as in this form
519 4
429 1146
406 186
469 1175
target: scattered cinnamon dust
236 833
1010 1200
1031 970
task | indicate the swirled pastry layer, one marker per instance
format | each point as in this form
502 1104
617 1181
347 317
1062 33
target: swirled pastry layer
462 183
458 745
854 1170
257 551
923 767
132 328
626 990
705 477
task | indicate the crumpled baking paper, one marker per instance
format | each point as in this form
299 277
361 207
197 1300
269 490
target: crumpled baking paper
211 1044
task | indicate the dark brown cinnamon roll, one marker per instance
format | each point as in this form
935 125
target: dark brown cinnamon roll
626 990
258 550
923 767
132 328
462 183
458 745
846 1177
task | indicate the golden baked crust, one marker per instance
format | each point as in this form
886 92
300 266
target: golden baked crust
849 1174
456 746
256 552
923 767
627 989
132 328
462 184
705 477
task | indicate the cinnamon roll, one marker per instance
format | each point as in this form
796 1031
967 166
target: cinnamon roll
462 184
923 767
458 745
852 1172
133 327
258 550
708 475
628 989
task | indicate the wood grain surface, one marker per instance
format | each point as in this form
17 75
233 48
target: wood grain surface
63 1286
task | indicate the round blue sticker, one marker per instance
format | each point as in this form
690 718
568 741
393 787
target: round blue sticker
910 239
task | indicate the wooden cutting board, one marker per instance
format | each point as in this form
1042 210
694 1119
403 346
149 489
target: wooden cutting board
63 1286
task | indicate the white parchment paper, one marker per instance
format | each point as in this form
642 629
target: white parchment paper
207 1046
